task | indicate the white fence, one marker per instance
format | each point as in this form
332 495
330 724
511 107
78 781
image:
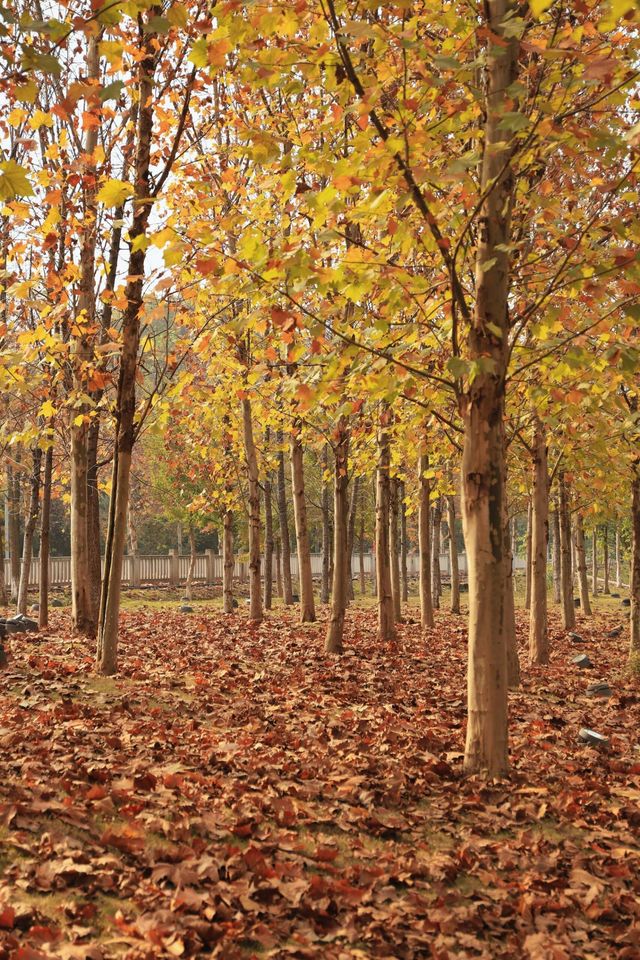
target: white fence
173 569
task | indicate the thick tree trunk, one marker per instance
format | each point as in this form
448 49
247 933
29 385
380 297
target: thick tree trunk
227 562
278 568
326 528
634 590
305 578
453 554
583 585
605 558
45 537
538 633
107 647
394 555
287 588
566 574
618 558
404 545
342 559
188 591
93 522
436 577
594 562
351 533
528 556
268 537
482 409
363 578
386 620
557 579
255 582
424 544
3 584
29 530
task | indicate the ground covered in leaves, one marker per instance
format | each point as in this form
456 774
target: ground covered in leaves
236 793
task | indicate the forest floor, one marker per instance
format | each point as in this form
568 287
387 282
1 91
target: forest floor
236 793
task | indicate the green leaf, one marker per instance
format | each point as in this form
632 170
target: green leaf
513 121
14 181
112 91
114 193
199 56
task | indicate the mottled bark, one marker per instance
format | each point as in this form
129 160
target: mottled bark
566 573
342 560
424 543
538 631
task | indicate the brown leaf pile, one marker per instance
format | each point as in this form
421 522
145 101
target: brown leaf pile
236 793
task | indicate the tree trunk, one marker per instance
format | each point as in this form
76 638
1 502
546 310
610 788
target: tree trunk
305 578
482 409
528 560
45 536
404 545
13 525
268 537
436 577
255 582
424 544
594 562
618 558
386 620
538 633
605 558
284 527
583 585
83 600
93 522
363 579
188 591
634 587
278 567
29 530
342 560
394 556
557 579
107 647
509 625
566 575
326 524
453 554
227 562
351 533
3 585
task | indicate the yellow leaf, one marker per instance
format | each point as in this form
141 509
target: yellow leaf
114 192
40 119
47 409
13 181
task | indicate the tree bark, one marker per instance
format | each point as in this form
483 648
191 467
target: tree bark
509 625
566 574
453 555
351 533
538 632
634 586
618 558
394 555
436 577
594 562
13 533
278 567
29 530
528 556
45 536
583 585
188 591
107 656
363 579
424 544
93 523
605 558
326 525
482 409
305 577
404 545
3 584
283 519
227 561
557 580
342 560
386 620
268 537
255 582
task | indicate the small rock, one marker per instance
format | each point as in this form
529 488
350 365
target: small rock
576 638
614 596
21 624
234 604
56 602
295 598
592 738
185 608
601 690
614 633
582 661
576 601
626 602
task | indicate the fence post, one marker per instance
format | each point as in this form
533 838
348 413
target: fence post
174 568
135 570
211 570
